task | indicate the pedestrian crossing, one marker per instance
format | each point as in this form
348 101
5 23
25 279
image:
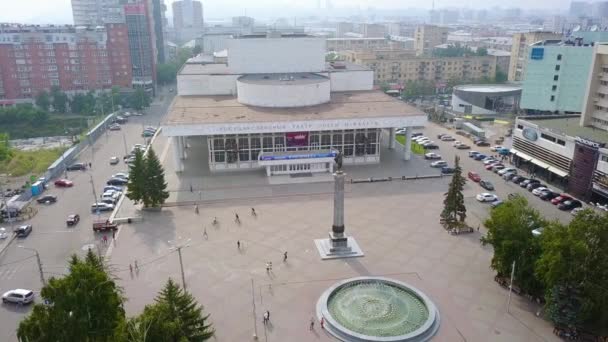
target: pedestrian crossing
8 272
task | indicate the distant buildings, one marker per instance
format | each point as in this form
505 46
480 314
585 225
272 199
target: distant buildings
427 37
342 44
35 58
187 19
520 51
401 66
141 44
373 30
342 28
595 110
97 12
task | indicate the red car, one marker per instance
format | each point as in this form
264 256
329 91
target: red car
474 176
64 183
561 198
490 166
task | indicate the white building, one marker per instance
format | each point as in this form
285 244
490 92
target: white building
277 105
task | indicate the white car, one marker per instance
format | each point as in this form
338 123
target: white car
507 170
537 231
576 210
101 207
538 191
121 175
471 153
496 148
18 296
400 131
456 143
486 197
3 233
114 160
126 114
447 138
489 161
110 195
432 156
428 142
439 163
422 140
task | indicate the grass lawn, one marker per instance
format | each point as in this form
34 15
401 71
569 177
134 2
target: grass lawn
415 147
30 162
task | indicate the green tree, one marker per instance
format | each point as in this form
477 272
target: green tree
43 100
156 187
85 305
481 51
5 147
175 316
60 100
166 73
138 182
454 212
197 50
510 228
500 77
114 97
139 99
574 261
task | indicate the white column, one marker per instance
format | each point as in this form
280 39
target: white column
331 167
177 162
268 170
407 153
391 138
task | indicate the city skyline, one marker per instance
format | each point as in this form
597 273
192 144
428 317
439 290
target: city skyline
60 11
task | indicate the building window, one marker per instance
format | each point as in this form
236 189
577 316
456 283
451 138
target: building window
520 126
555 77
559 57
604 158
557 67
561 142
554 88
547 137
552 98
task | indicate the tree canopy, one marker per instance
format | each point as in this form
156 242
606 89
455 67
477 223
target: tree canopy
457 50
510 228
43 100
136 189
156 190
85 305
454 211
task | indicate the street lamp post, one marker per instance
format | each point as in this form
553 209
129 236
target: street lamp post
178 247
39 263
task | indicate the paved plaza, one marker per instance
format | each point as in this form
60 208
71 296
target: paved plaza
396 225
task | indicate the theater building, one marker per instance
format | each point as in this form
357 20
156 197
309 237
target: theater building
277 106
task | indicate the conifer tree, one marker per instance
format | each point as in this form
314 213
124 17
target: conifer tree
454 212
136 187
155 192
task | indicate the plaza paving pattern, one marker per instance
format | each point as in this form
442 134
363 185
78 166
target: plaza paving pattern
396 225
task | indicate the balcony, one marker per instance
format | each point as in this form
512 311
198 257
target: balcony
602 90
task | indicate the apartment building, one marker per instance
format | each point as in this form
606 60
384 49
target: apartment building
97 12
427 37
595 110
342 44
520 51
401 66
142 44
187 19
373 30
35 58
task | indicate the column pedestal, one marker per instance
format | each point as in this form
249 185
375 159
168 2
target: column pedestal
391 139
407 153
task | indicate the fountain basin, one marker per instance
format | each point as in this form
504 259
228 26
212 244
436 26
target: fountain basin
377 309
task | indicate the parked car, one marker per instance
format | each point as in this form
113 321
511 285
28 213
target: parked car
463 147
486 197
138 114
47 199
64 183
496 203
3 233
495 148
486 185
428 143
538 191
108 200
439 163
561 198
117 181
23 231
102 207
497 168
147 134
518 179
121 175
114 160
509 175
533 186
447 138
77 167
73 220
441 135
432 156
431 146
548 195
479 156
474 176
569 204
482 143
537 231
473 154
112 187
115 127
120 119
576 210
447 170
489 167
456 143
527 182
507 170
18 296
416 134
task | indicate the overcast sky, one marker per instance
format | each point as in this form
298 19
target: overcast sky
59 11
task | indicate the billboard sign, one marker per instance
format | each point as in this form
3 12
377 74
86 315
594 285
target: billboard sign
331 154
296 139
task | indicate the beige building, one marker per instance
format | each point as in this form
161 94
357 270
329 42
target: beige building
520 51
427 37
373 30
595 110
401 66
341 44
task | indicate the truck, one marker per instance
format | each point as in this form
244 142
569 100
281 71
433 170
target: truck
104 225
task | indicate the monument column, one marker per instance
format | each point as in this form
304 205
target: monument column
338 227
407 153
391 138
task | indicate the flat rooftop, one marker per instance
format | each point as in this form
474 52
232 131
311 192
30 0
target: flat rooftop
488 88
343 105
284 79
223 69
570 126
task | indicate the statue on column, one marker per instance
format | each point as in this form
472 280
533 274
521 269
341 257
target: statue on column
338 161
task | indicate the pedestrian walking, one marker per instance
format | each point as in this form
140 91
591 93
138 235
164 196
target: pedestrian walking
267 267
105 239
238 244
312 323
191 190
131 269
270 265
253 212
196 208
205 233
477 227
285 257
136 266
215 221
113 234
236 218
90 165
322 322
267 316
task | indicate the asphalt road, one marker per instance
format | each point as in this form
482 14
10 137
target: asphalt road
53 240
476 211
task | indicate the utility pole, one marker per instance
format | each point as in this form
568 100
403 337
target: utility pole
39 264
511 286
95 199
124 142
178 247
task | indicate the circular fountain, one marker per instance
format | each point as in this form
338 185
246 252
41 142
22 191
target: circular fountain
377 309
